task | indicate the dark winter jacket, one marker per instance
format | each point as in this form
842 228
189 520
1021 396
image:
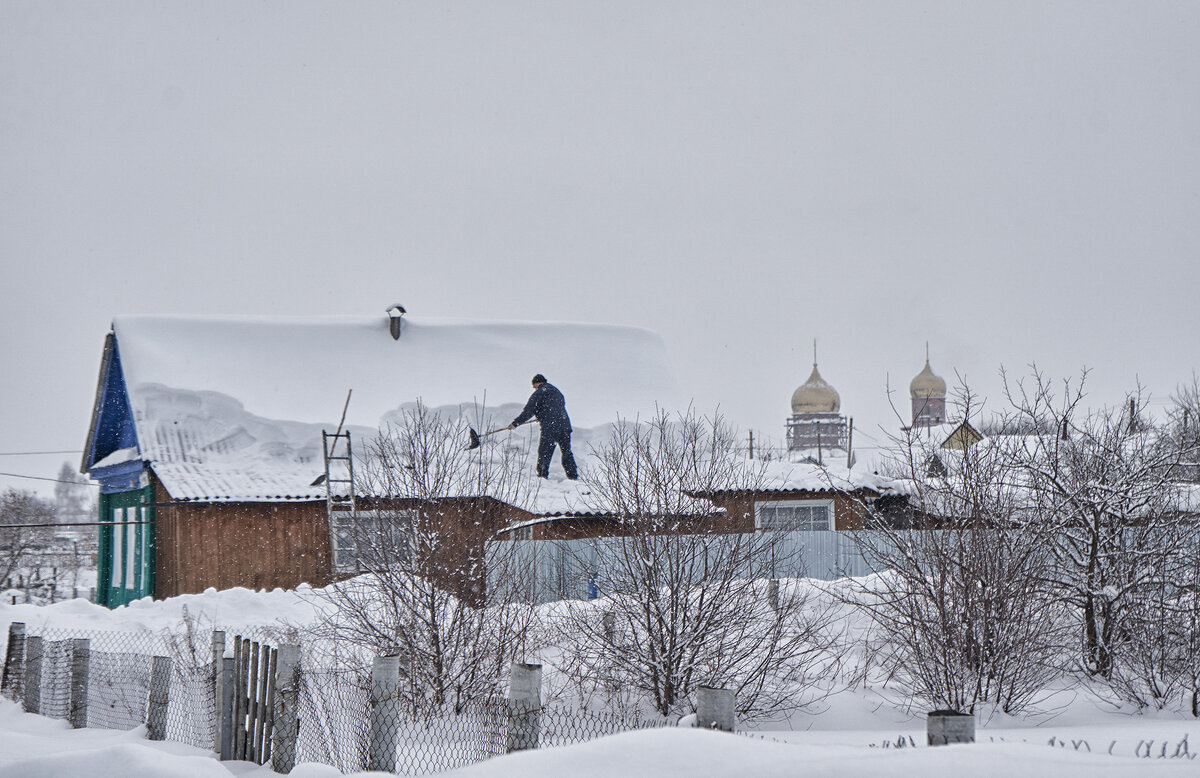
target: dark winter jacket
549 406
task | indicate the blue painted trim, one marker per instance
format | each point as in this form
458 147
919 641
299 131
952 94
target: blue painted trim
119 478
113 425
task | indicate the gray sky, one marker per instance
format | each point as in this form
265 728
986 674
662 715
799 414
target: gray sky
1013 182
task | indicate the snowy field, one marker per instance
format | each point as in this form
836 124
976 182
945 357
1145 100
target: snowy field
854 733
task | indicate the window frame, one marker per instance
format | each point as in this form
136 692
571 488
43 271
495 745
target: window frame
827 504
347 557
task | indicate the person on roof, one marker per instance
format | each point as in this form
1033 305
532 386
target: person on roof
549 407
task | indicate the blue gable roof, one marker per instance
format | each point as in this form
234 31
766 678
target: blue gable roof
112 420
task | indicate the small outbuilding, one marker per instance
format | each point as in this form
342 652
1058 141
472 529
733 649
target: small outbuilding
206 431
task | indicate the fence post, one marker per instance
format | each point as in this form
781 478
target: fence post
33 674
160 689
241 694
524 706
385 713
286 727
714 708
218 653
14 662
943 727
225 709
81 653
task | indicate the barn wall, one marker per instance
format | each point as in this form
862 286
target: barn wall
255 545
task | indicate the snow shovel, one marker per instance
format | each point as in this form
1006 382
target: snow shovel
477 437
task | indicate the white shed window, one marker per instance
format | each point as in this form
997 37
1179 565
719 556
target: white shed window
372 539
794 515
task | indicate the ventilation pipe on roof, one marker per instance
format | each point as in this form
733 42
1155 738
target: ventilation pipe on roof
395 317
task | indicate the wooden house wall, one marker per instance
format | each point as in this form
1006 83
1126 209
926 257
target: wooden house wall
462 526
251 544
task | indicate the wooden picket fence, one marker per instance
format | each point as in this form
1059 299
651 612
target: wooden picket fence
247 701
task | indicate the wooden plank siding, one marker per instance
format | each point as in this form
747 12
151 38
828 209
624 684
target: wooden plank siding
257 545
261 545
463 526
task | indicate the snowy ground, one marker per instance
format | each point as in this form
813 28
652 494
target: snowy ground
855 734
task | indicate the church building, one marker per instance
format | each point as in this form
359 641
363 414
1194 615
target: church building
816 430
928 393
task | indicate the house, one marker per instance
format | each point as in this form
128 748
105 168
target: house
786 496
206 431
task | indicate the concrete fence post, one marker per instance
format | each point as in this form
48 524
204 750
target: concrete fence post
524 706
160 691
225 705
385 713
714 708
81 654
33 674
218 654
14 662
943 727
286 716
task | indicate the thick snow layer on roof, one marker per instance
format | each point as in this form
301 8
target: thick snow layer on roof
807 476
300 368
233 408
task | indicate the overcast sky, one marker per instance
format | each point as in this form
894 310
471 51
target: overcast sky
1012 182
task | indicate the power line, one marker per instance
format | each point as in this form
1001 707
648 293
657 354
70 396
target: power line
74 524
34 453
55 480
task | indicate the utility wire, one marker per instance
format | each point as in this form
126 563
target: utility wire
55 480
33 453
73 524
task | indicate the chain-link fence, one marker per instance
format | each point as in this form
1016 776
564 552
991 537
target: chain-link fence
340 716
119 682
334 707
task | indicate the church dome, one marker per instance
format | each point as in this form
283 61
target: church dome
816 396
926 384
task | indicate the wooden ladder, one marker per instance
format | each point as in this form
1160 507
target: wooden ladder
342 509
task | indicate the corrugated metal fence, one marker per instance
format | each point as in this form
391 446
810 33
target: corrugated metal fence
553 570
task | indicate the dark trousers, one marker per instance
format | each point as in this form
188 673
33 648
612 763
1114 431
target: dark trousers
546 450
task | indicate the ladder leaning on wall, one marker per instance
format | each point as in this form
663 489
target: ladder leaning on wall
340 504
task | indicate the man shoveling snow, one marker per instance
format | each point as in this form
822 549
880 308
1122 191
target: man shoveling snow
549 407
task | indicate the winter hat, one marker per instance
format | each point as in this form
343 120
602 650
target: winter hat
539 379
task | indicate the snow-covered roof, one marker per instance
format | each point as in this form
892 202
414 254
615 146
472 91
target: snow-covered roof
300 368
232 408
786 476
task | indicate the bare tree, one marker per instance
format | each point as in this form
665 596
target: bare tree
1183 427
1157 662
1103 487
963 618
72 497
429 506
19 508
681 606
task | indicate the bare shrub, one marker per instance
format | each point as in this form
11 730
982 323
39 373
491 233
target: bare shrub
429 504
680 605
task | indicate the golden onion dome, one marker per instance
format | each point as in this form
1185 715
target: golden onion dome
926 384
815 396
